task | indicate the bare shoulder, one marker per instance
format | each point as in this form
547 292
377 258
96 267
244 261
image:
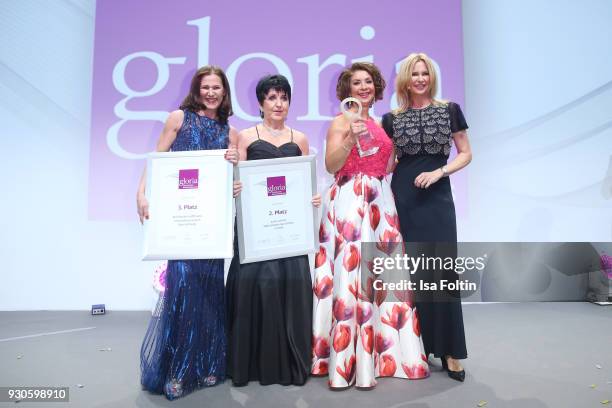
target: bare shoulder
175 118
248 132
301 140
299 136
339 124
246 136
176 114
340 120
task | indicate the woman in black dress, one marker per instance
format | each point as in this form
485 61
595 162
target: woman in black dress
423 130
269 303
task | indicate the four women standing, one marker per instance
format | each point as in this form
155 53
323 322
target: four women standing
358 333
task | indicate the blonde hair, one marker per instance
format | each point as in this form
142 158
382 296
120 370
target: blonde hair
404 76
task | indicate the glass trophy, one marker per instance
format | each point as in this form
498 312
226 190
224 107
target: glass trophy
365 142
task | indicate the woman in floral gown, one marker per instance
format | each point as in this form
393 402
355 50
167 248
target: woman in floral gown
360 333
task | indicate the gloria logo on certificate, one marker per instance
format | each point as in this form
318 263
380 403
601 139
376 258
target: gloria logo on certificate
188 179
276 186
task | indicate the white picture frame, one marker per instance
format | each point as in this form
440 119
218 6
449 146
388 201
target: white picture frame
190 206
275 216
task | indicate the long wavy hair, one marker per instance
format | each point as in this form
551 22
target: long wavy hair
192 100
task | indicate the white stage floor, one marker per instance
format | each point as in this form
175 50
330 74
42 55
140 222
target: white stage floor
521 355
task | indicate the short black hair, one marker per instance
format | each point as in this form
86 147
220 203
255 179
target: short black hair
277 82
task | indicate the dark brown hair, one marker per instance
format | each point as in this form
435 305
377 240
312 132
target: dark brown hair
192 100
343 88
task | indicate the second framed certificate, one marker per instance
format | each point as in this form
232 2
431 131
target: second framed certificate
275 216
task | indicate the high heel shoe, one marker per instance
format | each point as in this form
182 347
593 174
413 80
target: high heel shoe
455 375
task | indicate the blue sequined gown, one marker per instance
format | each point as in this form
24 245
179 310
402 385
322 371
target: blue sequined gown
185 346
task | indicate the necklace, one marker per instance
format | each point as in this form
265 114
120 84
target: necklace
274 132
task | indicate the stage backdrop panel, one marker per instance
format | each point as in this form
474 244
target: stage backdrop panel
146 53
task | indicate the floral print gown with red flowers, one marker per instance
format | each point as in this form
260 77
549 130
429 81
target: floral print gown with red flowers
360 333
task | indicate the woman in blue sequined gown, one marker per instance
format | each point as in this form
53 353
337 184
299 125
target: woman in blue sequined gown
185 345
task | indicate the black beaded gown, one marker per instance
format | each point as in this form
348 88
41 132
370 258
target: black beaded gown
269 306
422 140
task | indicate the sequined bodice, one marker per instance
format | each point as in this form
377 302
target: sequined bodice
200 133
374 165
423 131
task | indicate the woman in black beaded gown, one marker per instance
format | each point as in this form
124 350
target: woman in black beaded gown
423 130
269 303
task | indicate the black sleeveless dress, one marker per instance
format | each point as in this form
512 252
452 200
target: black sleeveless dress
269 307
422 140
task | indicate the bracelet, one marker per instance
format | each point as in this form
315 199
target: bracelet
345 148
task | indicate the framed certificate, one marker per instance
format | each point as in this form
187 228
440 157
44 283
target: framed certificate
190 206
275 216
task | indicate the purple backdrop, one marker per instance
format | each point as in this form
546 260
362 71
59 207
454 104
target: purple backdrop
146 53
